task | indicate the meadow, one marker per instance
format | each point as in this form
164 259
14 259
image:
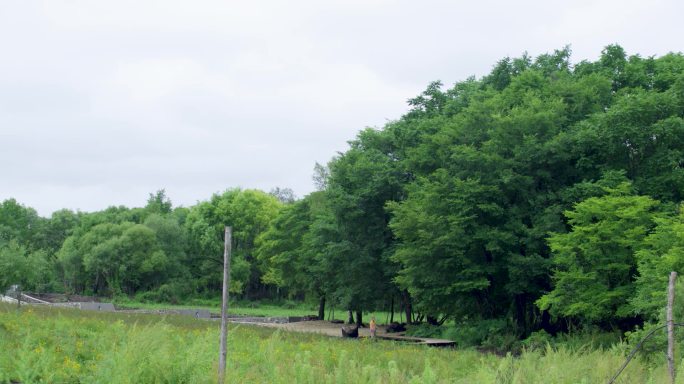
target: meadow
45 345
280 308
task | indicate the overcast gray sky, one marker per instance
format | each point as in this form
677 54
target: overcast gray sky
103 102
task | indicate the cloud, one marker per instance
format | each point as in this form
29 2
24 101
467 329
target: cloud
104 102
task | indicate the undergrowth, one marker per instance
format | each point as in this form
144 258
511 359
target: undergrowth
43 345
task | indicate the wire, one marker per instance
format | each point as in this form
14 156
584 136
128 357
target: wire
636 349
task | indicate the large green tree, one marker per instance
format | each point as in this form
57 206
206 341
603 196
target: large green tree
249 213
31 270
19 223
361 182
114 258
661 253
595 263
294 253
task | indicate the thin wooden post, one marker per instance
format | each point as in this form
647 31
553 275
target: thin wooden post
670 326
224 305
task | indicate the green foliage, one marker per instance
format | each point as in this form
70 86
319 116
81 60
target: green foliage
491 335
295 254
249 213
110 258
172 240
662 253
281 251
595 262
61 225
19 223
656 315
64 345
361 181
440 268
538 341
173 291
159 203
470 333
425 330
31 270
544 186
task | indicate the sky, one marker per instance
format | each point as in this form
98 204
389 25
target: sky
105 102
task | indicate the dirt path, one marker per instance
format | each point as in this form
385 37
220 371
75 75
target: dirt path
330 329
318 326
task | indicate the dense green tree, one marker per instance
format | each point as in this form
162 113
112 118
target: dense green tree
595 263
440 267
544 182
361 182
31 270
293 250
19 223
320 176
284 195
172 239
159 203
281 252
114 258
661 253
249 213
533 135
55 230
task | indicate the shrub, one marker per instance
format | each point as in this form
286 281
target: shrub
174 292
425 330
538 341
472 333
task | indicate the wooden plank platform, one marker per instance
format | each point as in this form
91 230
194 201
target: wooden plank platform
417 340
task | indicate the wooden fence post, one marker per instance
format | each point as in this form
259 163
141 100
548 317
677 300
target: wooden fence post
224 305
670 326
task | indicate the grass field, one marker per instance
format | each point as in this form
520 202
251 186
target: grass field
44 345
257 309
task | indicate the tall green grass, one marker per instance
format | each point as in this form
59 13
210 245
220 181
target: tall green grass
254 308
42 345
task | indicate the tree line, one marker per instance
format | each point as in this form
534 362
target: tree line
547 193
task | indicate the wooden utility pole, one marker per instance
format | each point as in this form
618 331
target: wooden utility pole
224 305
670 326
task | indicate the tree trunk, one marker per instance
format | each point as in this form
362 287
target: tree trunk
321 308
359 318
392 310
350 319
522 319
407 306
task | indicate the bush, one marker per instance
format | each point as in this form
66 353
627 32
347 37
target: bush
492 334
538 341
592 338
174 292
652 349
425 330
471 333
